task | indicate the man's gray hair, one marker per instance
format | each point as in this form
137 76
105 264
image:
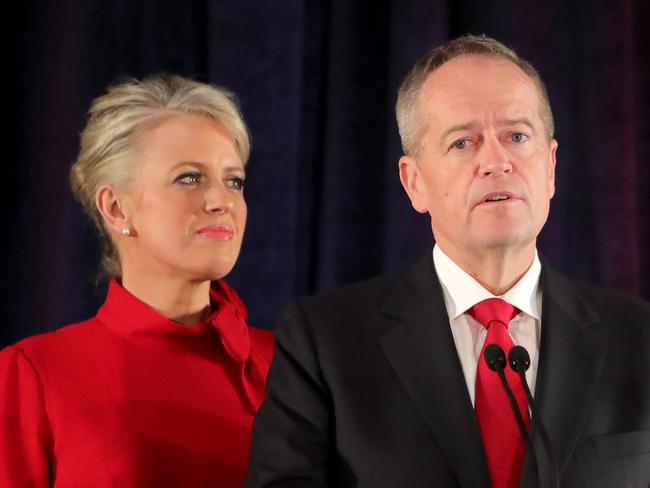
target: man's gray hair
409 119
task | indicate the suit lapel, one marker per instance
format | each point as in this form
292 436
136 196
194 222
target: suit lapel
421 350
572 356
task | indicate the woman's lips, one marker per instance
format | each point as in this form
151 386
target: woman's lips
218 232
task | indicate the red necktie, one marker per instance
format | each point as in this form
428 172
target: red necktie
502 441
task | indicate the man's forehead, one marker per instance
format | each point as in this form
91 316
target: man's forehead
471 72
469 84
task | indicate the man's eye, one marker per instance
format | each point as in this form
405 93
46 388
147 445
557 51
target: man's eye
236 183
519 137
460 144
193 178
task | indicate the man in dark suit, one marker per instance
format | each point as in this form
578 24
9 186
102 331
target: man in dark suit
379 384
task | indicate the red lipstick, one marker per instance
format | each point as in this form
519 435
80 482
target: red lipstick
218 232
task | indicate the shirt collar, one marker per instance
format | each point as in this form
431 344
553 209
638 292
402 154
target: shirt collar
463 291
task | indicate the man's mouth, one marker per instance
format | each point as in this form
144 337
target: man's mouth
499 196
496 198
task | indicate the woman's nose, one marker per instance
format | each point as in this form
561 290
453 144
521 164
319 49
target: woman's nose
218 200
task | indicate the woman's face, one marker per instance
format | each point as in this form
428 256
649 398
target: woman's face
185 204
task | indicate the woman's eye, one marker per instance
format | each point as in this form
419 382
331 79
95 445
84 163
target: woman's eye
193 178
519 137
459 144
236 183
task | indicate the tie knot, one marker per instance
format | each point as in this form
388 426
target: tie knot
492 309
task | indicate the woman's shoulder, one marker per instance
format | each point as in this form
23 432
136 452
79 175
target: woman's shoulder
58 342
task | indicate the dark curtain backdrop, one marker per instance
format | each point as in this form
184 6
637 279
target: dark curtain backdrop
317 82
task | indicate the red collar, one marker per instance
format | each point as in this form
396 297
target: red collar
128 316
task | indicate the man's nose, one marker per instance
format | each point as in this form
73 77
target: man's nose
218 200
493 158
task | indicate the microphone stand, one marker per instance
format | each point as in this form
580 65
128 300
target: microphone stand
496 361
519 360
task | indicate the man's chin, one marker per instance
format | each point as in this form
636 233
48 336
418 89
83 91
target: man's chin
503 239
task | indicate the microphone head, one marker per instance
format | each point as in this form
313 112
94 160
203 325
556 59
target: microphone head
519 359
495 357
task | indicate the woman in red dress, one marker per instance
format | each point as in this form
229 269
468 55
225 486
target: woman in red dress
160 387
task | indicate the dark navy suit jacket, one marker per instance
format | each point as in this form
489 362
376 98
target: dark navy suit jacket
366 389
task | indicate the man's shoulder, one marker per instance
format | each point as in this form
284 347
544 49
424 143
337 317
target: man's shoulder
414 280
403 287
366 293
609 305
610 302
362 309
343 324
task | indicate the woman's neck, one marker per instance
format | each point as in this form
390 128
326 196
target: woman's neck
184 301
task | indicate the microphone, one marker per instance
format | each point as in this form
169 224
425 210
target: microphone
496 361
519 360
495 357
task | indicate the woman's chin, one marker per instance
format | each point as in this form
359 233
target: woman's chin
216 271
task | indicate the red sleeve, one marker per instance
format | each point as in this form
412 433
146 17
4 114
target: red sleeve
24 430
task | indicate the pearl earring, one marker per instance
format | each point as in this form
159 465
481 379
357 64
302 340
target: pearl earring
126 232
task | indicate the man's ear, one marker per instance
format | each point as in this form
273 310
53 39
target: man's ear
551 169
411 178
110 204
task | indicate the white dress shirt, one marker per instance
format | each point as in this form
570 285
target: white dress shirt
461 292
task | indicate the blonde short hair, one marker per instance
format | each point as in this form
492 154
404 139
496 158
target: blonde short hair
409 120
110 137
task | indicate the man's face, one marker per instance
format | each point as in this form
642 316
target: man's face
485 168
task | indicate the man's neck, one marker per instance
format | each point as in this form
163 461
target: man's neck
497 270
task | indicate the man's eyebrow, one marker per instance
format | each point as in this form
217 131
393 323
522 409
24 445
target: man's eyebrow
457 128
521 120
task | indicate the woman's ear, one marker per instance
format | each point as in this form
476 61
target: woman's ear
110 205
